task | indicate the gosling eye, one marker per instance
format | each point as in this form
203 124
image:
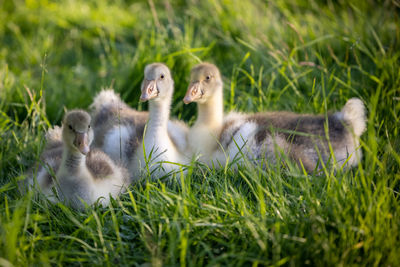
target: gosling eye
89 126
162 76
70 127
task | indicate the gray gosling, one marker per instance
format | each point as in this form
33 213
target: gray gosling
302 137
162 154
84 174
118 129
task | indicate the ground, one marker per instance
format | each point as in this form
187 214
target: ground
296 55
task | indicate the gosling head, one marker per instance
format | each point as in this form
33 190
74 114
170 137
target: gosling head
157 83
205 81
77 133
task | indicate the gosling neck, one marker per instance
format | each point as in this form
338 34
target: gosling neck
72 159
159 110
211 113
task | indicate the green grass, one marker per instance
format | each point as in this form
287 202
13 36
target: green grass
297 55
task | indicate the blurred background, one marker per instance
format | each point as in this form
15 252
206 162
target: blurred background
273 54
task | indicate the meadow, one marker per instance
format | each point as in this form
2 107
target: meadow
295 55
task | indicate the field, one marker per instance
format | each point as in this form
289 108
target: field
296 55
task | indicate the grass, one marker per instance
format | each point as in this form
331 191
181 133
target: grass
302 56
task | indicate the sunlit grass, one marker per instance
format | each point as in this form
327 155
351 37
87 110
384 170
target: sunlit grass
302 56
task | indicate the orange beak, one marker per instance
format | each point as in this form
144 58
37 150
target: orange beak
149 90
81 142
193 93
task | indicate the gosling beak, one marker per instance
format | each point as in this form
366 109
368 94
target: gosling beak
81 142
149 90
193 93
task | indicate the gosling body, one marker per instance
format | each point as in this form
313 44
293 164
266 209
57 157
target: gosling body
161 154
305 139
